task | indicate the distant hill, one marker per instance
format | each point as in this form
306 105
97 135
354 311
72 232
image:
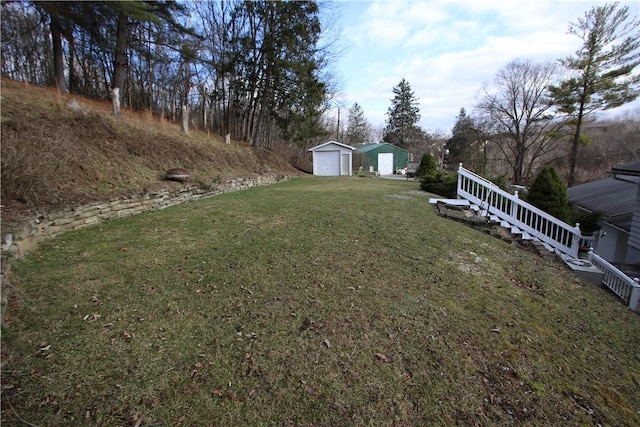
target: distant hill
63 150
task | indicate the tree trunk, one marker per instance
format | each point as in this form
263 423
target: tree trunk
163 99
204 106
517 176
73 79
58 61
120 57
260 117
185 118
115 100
575 144
256 130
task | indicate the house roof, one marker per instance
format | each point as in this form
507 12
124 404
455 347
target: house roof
375 146
629 169
332 142
615 197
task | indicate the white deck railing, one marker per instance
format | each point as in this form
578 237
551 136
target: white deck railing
587 242
492 200
624 286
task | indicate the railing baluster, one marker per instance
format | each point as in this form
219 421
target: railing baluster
624 286
517 212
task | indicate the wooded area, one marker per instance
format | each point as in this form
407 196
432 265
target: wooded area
259 71
253 70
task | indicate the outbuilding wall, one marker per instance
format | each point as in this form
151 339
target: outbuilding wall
332 159
367 157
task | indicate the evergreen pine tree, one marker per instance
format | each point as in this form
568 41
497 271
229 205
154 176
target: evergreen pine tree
460 145
549 194
403 115
357 126
601 70
427 167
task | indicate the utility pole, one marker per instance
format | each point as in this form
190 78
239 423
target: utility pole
338 130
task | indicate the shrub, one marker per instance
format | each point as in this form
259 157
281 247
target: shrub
549 194
442 184
427 167
500 181
589 222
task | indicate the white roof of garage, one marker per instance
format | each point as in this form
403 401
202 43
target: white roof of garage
334 143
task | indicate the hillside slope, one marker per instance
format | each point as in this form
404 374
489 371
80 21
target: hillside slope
54 155
314 302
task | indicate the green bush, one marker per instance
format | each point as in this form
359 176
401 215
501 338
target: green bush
500 181
427 167
549 193
589 222
442 184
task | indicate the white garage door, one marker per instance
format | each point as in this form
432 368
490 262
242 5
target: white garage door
327 163
385 163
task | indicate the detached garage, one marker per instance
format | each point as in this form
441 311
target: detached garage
332 159
383 158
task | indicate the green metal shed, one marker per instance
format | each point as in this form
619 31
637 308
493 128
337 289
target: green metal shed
383 158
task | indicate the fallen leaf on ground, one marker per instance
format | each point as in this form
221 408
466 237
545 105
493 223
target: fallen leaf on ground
382 358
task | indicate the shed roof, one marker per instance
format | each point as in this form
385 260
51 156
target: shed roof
332 142
374 146
614 197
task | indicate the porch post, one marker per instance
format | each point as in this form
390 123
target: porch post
575 239
634 297
460 178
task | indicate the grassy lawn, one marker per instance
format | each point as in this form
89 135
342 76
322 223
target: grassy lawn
315 302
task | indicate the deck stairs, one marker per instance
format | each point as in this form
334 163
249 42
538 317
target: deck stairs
517 233
547 233
524 221
513 229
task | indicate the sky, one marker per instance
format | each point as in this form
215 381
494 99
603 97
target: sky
446 49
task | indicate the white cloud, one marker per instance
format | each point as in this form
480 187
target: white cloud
447 49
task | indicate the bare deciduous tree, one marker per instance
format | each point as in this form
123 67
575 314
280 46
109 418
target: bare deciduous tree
520 116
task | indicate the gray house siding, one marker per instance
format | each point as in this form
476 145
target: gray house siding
617 198
612 244
633 255
634 233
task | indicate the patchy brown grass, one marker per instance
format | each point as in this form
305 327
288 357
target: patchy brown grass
53 156
314 302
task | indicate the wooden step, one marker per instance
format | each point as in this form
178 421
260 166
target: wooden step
526 236
451 202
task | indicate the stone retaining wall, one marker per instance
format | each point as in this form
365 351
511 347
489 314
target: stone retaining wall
24 240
